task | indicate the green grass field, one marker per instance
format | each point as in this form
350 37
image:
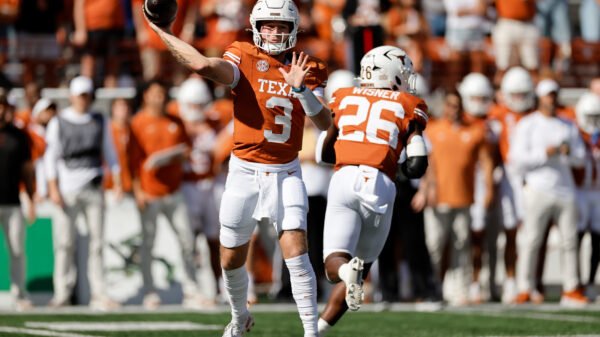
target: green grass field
276 322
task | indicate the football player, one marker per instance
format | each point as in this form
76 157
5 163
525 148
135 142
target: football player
588 183
373 124
193 98
477 96
274 88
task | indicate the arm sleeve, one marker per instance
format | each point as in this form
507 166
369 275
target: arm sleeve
53 149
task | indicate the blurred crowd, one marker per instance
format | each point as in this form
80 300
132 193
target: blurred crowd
108 40
506 156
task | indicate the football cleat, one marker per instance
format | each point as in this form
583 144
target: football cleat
354 289
235 330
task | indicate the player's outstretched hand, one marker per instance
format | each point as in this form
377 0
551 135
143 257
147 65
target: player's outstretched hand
298 70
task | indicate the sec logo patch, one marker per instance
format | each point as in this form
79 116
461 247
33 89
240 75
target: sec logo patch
262 66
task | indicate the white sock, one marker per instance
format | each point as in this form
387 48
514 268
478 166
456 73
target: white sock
304 289
343 272
323 327
236 286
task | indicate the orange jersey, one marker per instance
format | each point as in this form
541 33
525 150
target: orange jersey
268 121
373 126
508 120
150 134
454 154
104 14
522 10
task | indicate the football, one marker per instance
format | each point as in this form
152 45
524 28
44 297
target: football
160 12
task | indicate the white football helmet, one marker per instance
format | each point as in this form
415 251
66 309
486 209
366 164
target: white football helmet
275 10
587 111
192 96
340 78
518 82
388 67
477 93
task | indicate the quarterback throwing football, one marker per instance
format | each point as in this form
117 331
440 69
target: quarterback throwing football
274 89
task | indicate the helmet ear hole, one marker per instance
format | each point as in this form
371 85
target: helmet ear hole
398 81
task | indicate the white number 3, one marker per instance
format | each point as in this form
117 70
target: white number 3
375 123
285 120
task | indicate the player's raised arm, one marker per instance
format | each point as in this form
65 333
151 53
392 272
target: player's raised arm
313 107
213 68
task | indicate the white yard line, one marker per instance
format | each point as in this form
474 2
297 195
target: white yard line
531 315
123 326
33 332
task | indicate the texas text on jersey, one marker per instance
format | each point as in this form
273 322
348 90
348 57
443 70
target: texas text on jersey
373 126
268 121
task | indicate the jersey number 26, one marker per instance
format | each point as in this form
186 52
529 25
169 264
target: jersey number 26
365 110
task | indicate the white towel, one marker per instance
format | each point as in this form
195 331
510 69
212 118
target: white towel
268 196
365 187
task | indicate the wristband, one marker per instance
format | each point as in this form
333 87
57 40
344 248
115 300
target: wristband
299 90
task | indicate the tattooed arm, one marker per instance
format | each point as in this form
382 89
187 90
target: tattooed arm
213 68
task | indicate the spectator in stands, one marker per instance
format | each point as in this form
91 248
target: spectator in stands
156 61
435 12
158 146
553 21
457 146
544 148
465 36
364 31
515 31
406 27
78 142
99 26
589 12
15 167
40 34
587 179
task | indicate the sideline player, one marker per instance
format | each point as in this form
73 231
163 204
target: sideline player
372 125
274 88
